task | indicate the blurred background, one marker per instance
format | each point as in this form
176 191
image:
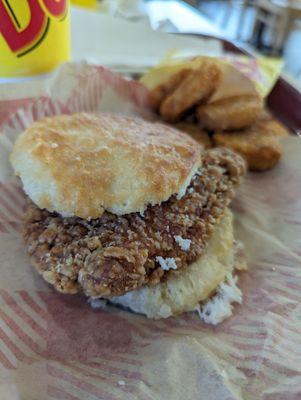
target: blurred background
268 27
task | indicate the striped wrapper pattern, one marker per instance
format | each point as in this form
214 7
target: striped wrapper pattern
57 347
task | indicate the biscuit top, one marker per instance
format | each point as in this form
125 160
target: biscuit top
86 164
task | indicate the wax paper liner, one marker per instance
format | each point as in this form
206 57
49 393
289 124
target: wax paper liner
55 346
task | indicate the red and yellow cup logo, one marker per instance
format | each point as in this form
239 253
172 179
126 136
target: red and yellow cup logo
34 36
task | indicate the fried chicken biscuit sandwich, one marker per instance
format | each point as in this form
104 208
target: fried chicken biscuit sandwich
129 211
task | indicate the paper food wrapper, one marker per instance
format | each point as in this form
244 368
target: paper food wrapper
55 346
240 75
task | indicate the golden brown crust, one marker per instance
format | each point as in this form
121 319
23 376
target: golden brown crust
259 145
160 92
84 164
195 132
230 114
197 87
